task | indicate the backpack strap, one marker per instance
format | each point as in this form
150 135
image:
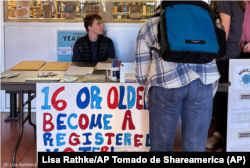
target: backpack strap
159 36
159 39
156 15
158 26
156 50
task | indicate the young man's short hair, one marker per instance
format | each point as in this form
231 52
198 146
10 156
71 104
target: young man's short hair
89 19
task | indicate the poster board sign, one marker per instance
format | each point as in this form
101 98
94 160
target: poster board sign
65 41
238 119
91 117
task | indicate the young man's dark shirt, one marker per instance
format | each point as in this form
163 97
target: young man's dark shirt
93 47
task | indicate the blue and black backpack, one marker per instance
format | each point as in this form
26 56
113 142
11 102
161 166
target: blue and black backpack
187 33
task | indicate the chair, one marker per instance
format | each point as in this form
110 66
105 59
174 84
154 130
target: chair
72 46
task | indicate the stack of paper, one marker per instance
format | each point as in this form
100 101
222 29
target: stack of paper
102 66
75 71
130 77
43 79
94 78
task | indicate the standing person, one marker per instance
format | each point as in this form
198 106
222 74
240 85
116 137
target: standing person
245 51
93 47
232 15
174 89
213 5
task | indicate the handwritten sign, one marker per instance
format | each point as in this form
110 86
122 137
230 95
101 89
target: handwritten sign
91 117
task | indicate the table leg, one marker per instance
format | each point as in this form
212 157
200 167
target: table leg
21 130
23 121
13 113
29 113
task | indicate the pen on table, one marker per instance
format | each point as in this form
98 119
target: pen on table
111 64
118 63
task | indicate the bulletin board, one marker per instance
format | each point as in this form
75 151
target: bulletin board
238 118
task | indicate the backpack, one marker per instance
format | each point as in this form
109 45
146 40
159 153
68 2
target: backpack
187 33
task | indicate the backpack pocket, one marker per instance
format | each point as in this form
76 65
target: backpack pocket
187 34
190 28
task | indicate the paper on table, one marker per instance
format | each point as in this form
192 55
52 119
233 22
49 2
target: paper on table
55 66
130 77
43 79
102 66
75 70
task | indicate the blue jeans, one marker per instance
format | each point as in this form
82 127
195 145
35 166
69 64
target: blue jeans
194 102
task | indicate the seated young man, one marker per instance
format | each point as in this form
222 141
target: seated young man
94 46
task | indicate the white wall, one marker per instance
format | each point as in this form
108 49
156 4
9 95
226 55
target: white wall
2 99
207 1
38 41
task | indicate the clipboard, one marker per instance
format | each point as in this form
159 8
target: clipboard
28 66
55 66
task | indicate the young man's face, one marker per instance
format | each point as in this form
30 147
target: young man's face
97 27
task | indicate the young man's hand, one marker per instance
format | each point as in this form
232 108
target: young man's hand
246 48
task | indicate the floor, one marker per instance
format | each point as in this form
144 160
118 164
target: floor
27 150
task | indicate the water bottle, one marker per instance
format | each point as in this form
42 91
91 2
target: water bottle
219 24
81 7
